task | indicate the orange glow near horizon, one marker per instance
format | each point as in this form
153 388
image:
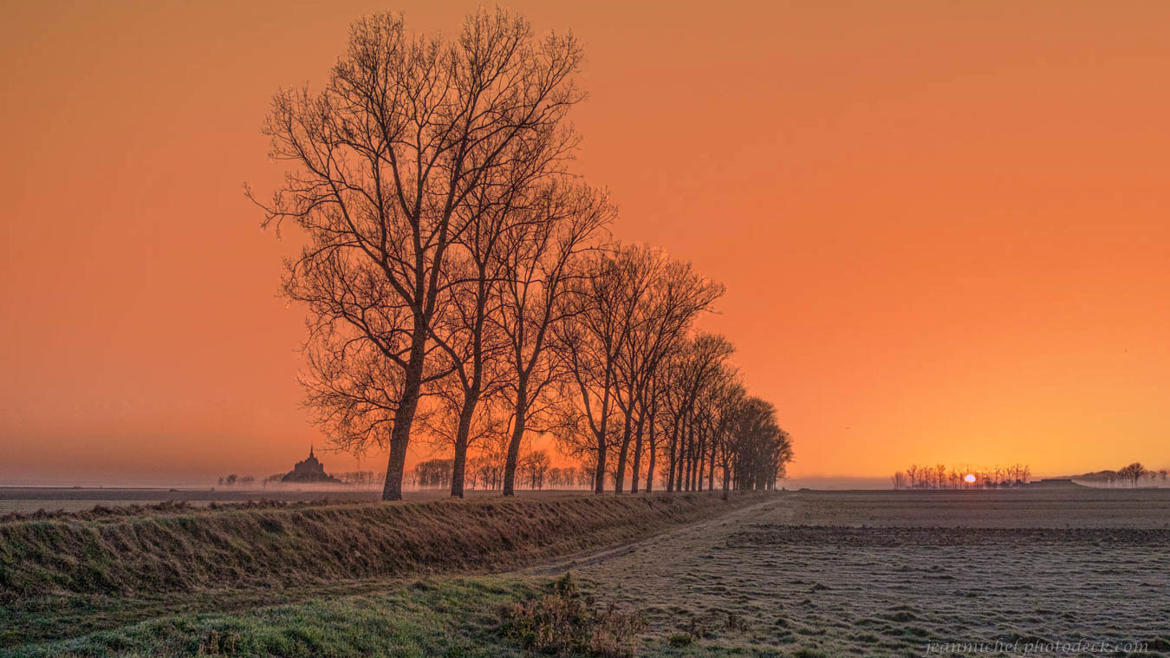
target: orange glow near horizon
943 227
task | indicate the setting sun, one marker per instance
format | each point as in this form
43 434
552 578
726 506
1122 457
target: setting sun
970 479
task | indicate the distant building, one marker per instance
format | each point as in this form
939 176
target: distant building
309 470
1055 483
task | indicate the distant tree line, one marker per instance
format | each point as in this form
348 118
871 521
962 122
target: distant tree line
940 476
461 284
486 472
1133 475
233 480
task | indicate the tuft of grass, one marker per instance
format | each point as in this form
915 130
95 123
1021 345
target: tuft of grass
564 621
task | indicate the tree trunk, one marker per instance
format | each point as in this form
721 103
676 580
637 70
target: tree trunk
462 434
636 470
404 415
392 489
711 472
471 393
599 473
726 482
673 454
602 437
521 413
619 481
701 453
653 451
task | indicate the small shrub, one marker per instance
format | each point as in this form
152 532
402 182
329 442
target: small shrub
567 622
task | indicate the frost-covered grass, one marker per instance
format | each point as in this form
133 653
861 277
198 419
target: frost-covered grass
173 579
180 549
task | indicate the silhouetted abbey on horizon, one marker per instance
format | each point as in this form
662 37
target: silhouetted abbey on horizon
309 470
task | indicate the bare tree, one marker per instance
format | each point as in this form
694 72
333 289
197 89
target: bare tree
731 427
540 261
628 309
432 473
764 448
449 429
385 160
587 348
1133 473
662 297
535 465
652 403
697 361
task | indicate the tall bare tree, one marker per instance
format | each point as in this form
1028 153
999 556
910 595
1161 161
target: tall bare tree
384 159
513 198
649 403
632 305
663 297
1132 472
755 451
587 349
729 405
695 364
541 255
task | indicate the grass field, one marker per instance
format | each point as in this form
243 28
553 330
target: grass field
82 582
27 500
800 573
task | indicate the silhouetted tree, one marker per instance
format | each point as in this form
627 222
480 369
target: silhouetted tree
587 348
432 473
534 466
386 161
662 297
541 256
697 362
1133 473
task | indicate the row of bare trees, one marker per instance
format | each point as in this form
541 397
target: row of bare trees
460 281
670 407
941 477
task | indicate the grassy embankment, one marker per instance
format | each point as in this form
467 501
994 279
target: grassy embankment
211 579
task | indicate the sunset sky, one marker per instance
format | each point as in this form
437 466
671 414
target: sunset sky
944 227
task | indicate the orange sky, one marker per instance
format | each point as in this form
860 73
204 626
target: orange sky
943 226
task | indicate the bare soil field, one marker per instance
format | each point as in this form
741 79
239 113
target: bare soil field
1072 572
